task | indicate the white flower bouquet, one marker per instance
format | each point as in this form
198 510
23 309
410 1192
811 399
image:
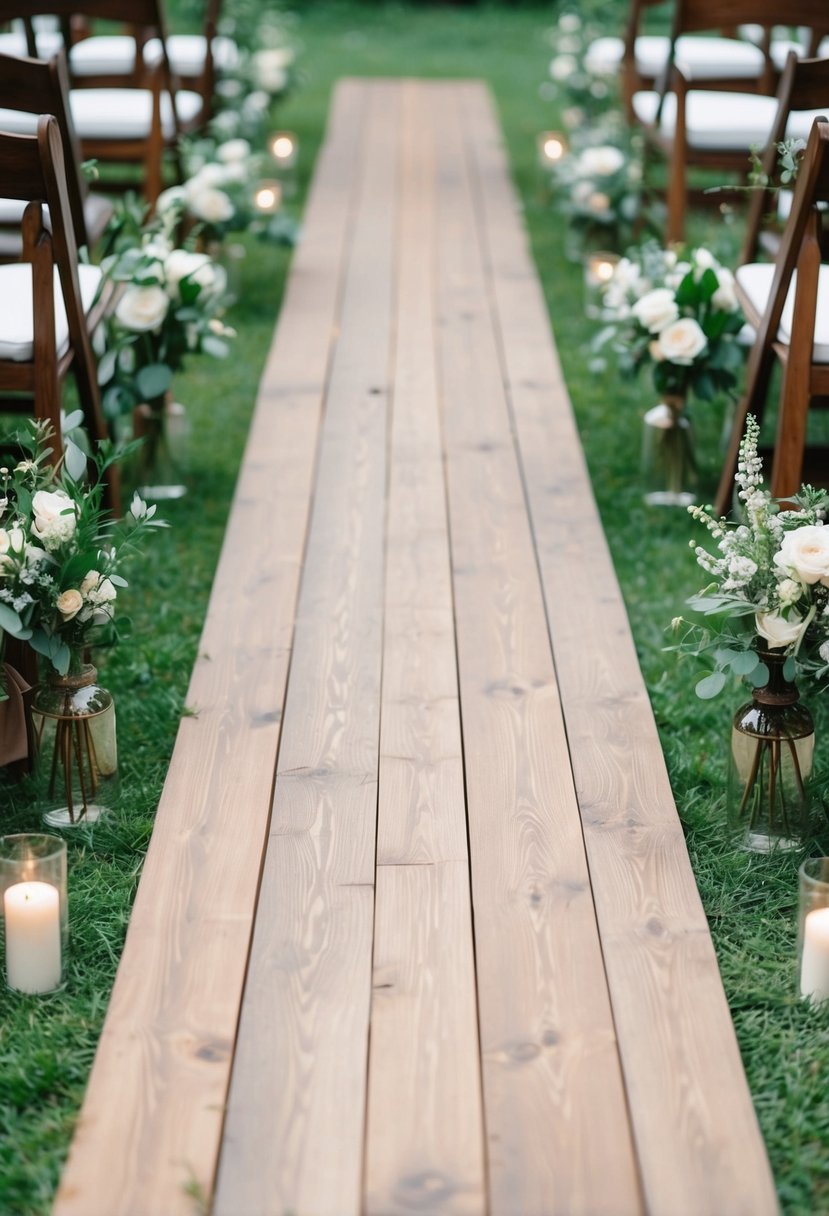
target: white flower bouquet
169 305
580 91
679 315
769 581
598 188
61 553
217 196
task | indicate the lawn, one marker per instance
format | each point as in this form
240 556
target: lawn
47 1044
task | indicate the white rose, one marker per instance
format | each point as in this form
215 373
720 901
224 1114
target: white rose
569 23
269 66
170 200
682 342
197 267
69 603
562 67
656 309
776 629
103 592
211 205
208 175
233 150
805 551
725 297
142 308
157 247
54 521
600 162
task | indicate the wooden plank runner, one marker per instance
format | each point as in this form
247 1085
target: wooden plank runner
296 1109
149 1130
424 1143
555 1106
696 1133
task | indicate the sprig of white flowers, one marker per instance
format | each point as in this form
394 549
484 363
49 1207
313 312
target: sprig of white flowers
770 581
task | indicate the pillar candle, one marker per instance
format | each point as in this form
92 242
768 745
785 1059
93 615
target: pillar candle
814 966
33 962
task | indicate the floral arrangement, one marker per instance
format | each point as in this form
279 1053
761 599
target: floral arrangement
170 304
580 92
599 188
217 194
677 314
770 579
61 552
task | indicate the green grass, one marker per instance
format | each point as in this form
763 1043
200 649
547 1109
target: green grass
46 1045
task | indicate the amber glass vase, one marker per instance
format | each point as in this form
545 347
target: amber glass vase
772 749
77 755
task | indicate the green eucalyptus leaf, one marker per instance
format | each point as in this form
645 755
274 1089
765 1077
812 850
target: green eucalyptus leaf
153 380
10 621
745 663
710 686
790 668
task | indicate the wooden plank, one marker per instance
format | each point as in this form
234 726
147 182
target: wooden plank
696 1133
148 1134
296 1111
555 1106
424 1142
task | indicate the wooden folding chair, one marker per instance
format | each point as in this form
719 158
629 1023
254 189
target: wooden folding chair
126 118
49 305
34 87
787 303
803 92
706 120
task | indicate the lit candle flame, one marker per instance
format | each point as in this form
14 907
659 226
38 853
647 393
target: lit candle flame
268 196
282 147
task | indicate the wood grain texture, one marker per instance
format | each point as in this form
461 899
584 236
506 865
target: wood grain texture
555 1107
424 1140
149 1129
293 1137
696 1133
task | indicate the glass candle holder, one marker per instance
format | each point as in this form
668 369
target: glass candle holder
35 911
267 198
598 271
813 930
284 148
552 146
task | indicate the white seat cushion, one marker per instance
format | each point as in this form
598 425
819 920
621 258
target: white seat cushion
699 58
187 52
103 55
755 279
720 120
16 329
49 43
127 113
114 54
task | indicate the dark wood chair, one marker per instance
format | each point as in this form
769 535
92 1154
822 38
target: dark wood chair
34 87
699 119
134 118
787 303
49 304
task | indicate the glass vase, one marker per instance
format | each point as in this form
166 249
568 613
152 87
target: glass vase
164 456
77 756
772 750
669 471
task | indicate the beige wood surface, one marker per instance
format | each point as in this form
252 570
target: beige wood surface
424 1143
480 978
696 1133
296 1109
149 1130
555 1107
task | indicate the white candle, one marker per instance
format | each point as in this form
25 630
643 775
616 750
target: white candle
814 967
32 912
599 269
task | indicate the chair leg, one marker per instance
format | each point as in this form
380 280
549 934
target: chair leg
790 442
